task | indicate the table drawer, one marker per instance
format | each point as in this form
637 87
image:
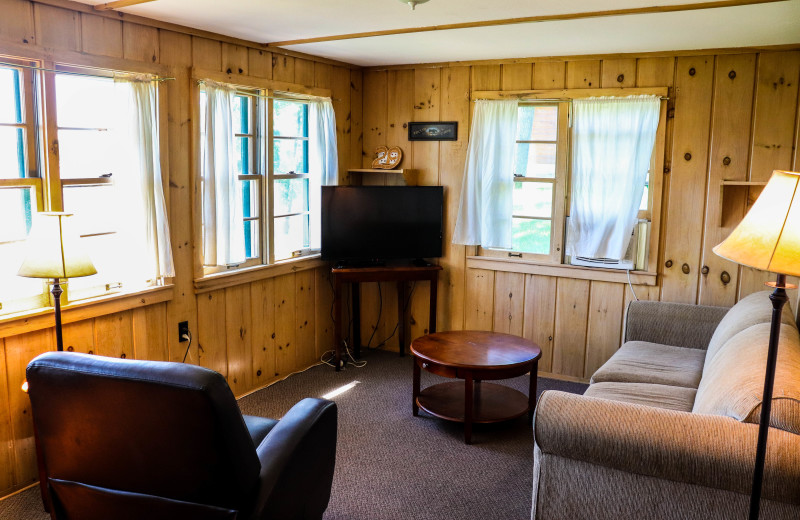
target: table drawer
439 370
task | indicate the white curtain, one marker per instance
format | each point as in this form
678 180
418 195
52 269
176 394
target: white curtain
223 224
323 158
484 212
138 186
613 142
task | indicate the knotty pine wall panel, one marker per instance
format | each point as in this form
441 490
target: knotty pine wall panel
234 329
580 323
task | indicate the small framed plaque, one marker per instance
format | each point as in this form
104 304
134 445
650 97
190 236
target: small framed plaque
433 131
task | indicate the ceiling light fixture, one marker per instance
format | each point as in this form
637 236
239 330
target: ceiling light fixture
413 3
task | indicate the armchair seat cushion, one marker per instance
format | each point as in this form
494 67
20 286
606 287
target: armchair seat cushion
667 397
258 427
643 362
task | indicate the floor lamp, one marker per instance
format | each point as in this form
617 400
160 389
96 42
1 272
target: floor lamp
54 251
768 238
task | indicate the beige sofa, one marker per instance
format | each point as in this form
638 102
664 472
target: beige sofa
668 426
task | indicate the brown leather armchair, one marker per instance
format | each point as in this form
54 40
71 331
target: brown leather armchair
151 440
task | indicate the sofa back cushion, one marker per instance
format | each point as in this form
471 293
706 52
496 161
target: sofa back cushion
733 382
750 310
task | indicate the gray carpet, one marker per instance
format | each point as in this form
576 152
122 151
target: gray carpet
391 465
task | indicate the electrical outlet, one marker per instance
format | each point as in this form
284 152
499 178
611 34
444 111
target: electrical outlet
183 328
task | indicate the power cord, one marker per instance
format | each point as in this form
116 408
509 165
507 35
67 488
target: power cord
631 285
378 320
187 336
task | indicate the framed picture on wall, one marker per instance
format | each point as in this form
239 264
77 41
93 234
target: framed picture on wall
433 131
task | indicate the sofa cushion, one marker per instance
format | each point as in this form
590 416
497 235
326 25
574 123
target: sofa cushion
661 396
643 362
733 384
750 310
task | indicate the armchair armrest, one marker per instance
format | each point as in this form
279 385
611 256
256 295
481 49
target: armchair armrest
297 462
707 450
677 324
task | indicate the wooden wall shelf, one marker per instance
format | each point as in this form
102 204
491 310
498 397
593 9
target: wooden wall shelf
735 195
357 175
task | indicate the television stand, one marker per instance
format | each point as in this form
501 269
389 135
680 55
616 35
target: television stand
387 273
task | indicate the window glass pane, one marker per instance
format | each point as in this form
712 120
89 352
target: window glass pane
12 287
533 199
241 115
249 198
85 153
537 123
291 234
645 197
290 155
12 152
290 118
251 238
291 196
243 147
84 102
108 254
535 160
93 206
10 96
15 213
531 236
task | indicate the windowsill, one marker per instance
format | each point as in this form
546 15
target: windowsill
513 265
216 281
42 318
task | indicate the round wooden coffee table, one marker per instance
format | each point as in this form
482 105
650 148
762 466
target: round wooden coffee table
474 356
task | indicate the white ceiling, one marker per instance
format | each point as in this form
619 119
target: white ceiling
266 21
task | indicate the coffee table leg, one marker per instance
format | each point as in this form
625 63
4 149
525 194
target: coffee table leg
415 392
469 402
532 390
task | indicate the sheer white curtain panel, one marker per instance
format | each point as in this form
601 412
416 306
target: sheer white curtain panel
485 208
323 158
139 187
223 224
613 141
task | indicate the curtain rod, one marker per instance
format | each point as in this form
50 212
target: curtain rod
289 97
546 100
87 74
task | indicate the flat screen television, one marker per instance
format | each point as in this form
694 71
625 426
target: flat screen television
365 224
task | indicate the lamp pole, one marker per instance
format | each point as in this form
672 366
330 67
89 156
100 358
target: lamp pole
57 291
778 299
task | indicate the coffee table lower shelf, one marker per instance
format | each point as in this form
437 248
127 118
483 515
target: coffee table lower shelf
492 402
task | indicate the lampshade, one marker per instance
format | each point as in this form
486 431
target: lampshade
54 249
768 238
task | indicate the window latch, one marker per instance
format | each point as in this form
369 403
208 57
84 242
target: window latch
232 266
115 285
517 255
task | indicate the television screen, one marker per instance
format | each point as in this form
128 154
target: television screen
374 223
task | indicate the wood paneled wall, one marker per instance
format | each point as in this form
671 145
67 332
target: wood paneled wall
731 117
253 333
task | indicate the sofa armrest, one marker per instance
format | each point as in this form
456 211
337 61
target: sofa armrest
297 462
676 324
707 450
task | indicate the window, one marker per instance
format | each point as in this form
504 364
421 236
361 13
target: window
273 145
20 185
290 177
96 169
539 172
544 182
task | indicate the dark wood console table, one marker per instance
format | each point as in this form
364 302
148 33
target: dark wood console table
389 273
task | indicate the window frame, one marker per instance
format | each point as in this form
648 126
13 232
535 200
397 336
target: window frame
655 180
